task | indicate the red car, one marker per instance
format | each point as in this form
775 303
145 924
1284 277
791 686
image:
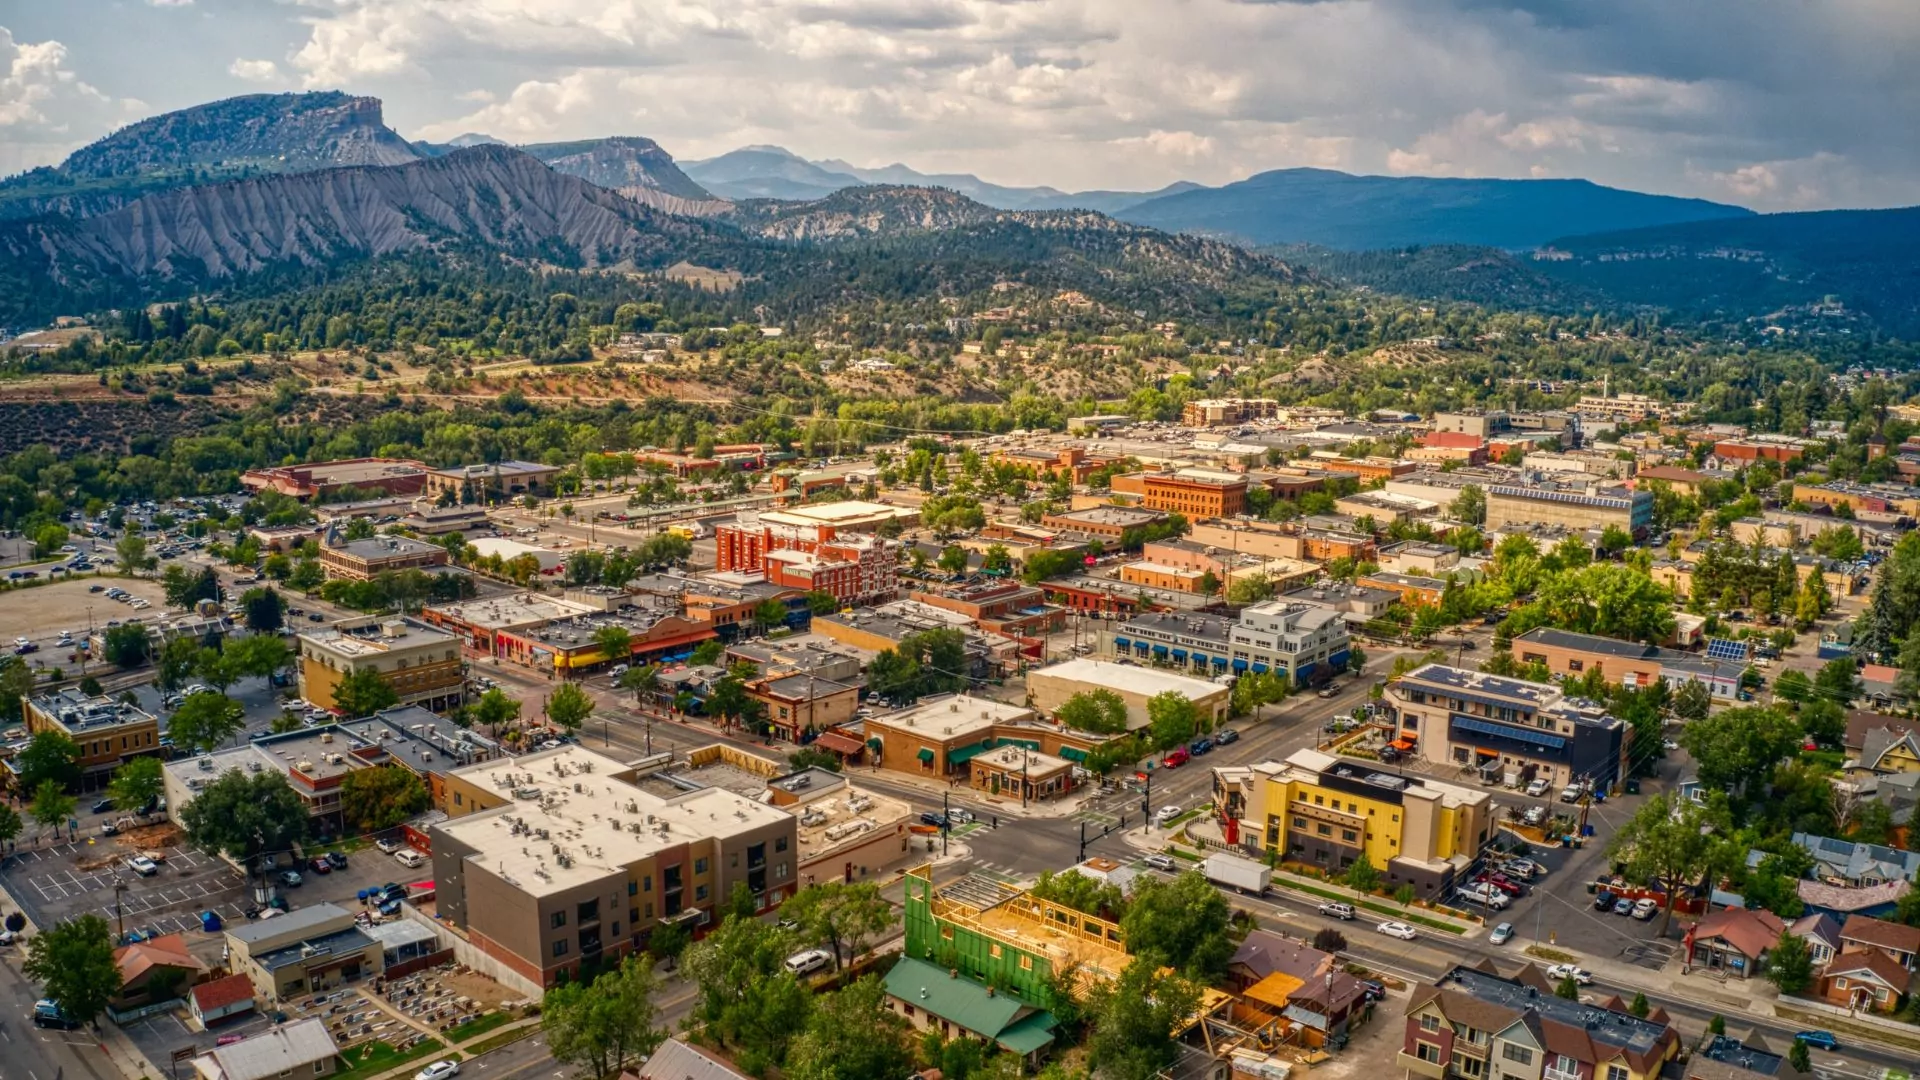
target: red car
319 865
1175 758
1503 883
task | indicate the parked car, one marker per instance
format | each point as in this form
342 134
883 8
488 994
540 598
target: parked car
1398 929
142 865
1819 1040
1645 908
1225 736
1502 883
1372 991
1523 869
387 846
1165 816
1623 906
1570 971
1571 793
1199 746
337 860
959 815
936 819
1603 900
1336 910
1502 934
410 858
319 865
1175 758
291 878
1329 691
1162 863
48 1014
104 806
1535 816
1538 788
808 961
439 1070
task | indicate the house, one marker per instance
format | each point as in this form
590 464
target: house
1748 1058
932 999
1896 941
154 971
302 1048
1733 940
1475 1022
1865 979
228 996
1297 982
1847 863
1841 901
1881 744
1821 932
677 1060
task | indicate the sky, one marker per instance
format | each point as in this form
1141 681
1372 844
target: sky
1772 104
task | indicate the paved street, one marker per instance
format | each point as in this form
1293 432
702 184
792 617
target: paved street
31 1053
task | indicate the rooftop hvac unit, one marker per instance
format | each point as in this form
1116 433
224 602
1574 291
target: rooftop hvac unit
206 763
253 766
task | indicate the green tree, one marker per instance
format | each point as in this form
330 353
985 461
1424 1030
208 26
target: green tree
852 1035
132 551
1250 589
137 782
1134 1018
707 653
126 646
1790 964
769 613
1640 1006
47 540
179 659
843 917
668 941
1101 711
1800 1057
643 680
953 559
1793 685
266 610
822 602
745 997
377 799
184 588
1839 681
1356 661
1181 924
1172 719
244 814
1361 876
258 656
495 710
1735 750
16 682
306 576
10 827
1673 841
205 720
363 693
812 757
1470 505
48 756
73 963
1567 988
51 807
570 706
601 1026
1825 722
1692 701
614 642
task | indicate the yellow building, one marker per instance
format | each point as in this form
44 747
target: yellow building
1324 811
420 662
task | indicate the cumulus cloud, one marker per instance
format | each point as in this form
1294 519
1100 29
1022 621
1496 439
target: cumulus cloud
46 110
260 71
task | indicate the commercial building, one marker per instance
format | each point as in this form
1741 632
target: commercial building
1105 523
938 736
1050 687
1019 771
440 521
1305 643
801 704
106 731
573 644
1365 470
420 662
1509 731
878 629
423 743
998 607
1358 604
1474 1022
1754 448
1589 506
1214 412
302 1048
1625 663
726 603
479 623
1409 588
326 479
308 950
314 761
830 547
846 833
360 560
1049 462
1896 500
559 857
490 483
1195 493
1325 811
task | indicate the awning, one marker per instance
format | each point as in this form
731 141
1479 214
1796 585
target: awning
1122 643
925 755
874 744
1179 654
964 754
1159 650
1239 664
1259 668
838 743
1219 661
1504 731
1073 753
1199 658
1402 743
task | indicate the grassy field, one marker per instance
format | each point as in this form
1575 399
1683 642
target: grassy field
380 1056
476 1027
501 1039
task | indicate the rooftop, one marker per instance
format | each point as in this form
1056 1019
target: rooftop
273 1053
1616 1029
498 468
954 715
350 940
509 612
849 512
374 638
385 547
1129 678
1122 516
77 712
322 753
424 741
1015 757
571 821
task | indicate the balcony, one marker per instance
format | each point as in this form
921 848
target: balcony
1551 1073
1432 1070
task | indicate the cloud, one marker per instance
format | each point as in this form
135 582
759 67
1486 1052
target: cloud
169 3
259 71
46 110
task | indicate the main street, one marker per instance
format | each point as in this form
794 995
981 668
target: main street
32 1053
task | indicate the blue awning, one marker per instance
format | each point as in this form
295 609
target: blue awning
1199 658
1159 650
1259 668
1219 661
1239 665
1504 731
1301 671
1179 654
1339 660
1122 643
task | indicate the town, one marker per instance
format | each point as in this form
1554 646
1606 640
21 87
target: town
1264 740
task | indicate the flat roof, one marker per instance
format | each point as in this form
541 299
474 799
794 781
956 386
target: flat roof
378 637
502 468
953 715
1110 515
1015 756
596 825
350 940
848 511
510 612
1129 678
386 547
77 712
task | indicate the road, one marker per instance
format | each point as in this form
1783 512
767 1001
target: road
42 1053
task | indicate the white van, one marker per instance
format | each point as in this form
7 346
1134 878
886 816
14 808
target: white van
410 858
808 961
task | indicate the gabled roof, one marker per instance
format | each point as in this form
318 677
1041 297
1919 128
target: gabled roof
1751 932
294 1047
1881 934
1857 862
1264 952
676 1060
1871 962
964 1002
222 992
1842 898
168 950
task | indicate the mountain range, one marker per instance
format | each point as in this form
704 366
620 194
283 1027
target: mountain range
235 188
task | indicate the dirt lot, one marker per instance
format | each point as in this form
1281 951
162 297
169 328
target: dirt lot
486 993
43 611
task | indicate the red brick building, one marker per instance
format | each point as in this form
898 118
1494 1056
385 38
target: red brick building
828 547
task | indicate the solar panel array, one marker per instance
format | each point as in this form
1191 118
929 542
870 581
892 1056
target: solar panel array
1723 649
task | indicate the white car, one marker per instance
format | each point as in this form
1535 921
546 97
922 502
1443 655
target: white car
808 961
387 846
1537 789
439 1070
1165 815
1398 929
1570 971
1162 863
1645 908
143 866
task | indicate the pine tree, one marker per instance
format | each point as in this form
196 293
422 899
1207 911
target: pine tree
1874 630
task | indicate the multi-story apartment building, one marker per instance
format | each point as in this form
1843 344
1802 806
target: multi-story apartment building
1588 506
1213 412
1863 499
1306 643
1509 731
360 560
1326 811
1477 1024
560 857
830 547
420 662
106 731
1196 493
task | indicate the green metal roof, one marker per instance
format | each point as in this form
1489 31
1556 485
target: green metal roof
967 753
925 754
966 1003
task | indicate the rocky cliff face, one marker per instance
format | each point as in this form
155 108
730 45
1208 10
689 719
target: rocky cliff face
621 163
490 196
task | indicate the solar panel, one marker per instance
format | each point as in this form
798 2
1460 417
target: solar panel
1723 649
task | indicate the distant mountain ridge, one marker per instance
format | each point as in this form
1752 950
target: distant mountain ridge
1357 213
635 167
236 137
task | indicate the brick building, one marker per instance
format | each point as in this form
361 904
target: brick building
1196 493
831 547
324 479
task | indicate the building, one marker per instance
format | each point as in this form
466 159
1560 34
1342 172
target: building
1305 643
1858 865
573 644
154 972
1897 942
487 484
1277 976
360 560
420 662
1015 770
106 731
846 833
1588 506
1865 980
1625 663
1050 687
830 547
423 743
1215 412
223 998
314 760
1628 407
1419 558
1050 462
1325 812
440 521
725 603
1509 731
1680 481
479 623
302 1048
308 950
1195 493
998 607
1733 940
1366 470
554 858
1474 1022
1864 500
675 1059
804 704
1105 523
1754 448
940 734
326 480
1357 604
1406 588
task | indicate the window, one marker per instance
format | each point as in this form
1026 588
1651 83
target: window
779 843
633 887
1323 829
558 920
699 893
1348 835
1427 1052
1429 1023
1318 801
699 866
994 950
560 947
1299 823
1470 1066
1519 1055
1026 962
1616 1072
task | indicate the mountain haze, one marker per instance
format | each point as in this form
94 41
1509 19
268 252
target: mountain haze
633 166
1339 210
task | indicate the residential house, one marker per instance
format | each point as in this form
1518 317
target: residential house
1865 979
1477 1023
302 1048
221 999
1747 1058
1733 940
1847 863
1299 984
1898 942
676 1059
1821 932
154 971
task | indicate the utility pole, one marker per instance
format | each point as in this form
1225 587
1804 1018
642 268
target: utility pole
946 823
